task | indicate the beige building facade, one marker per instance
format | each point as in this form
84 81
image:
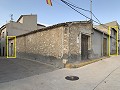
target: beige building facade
25 24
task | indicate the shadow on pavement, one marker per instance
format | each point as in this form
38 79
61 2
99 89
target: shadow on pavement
13 69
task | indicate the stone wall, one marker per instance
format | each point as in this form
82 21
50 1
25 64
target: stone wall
53 44
46 46
66 43
75 31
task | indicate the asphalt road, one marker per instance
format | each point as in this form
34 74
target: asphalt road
101 75
14 69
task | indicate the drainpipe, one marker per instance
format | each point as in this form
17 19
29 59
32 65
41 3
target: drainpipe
102 44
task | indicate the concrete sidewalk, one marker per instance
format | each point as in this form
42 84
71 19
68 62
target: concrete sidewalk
102 75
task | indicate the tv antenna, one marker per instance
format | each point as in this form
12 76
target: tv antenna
11 17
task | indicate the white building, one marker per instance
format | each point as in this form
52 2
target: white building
25 24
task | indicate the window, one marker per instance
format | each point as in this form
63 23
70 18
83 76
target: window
7 33
78 38
114 32
3 35
65 31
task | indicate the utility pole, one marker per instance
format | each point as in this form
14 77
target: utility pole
91 9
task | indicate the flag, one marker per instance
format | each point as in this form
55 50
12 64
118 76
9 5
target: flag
49 2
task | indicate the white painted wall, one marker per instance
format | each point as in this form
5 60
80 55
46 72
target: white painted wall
3 39
97 43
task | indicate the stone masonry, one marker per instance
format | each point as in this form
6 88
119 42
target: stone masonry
54 43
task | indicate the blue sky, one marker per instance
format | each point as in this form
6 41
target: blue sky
104 10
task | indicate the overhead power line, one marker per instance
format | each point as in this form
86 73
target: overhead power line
86 11
81 9
68 4
76 6
73 6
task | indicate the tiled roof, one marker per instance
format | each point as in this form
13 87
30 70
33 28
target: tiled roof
105 27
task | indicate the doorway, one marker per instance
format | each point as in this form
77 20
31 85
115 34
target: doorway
3 51
105 47
84 47
12 51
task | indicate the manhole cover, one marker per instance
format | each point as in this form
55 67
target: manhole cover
72 78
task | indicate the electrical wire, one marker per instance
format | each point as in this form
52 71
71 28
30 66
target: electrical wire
76 6
78 11
73 5
70 5
83 10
